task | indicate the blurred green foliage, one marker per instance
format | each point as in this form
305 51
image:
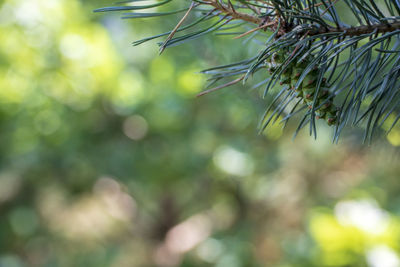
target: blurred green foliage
108 159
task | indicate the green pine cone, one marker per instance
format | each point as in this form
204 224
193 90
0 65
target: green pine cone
310 81
320 114
306 90
285 80
279 58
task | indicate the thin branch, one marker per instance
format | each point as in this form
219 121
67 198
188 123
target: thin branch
162 48
222 86
256 29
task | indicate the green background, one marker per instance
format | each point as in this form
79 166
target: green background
107 158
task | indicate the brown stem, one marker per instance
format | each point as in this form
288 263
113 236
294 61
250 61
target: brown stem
230 11
364 29
350 31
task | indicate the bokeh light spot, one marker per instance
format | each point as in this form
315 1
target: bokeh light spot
233 161
394 137
382 256
135 127
190 83
363 214
73 46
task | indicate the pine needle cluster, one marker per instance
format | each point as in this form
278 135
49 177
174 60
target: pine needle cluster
335 60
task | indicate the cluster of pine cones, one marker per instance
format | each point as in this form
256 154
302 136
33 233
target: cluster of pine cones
328 111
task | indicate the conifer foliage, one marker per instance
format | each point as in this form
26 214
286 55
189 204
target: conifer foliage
333 60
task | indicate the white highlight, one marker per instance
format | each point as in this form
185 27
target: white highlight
233 162
363 214
73 46
382 256
188 234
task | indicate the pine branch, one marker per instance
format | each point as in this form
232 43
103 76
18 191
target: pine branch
360 30
230 11
327 69
347 31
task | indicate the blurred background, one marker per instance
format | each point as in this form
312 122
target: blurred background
108 158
